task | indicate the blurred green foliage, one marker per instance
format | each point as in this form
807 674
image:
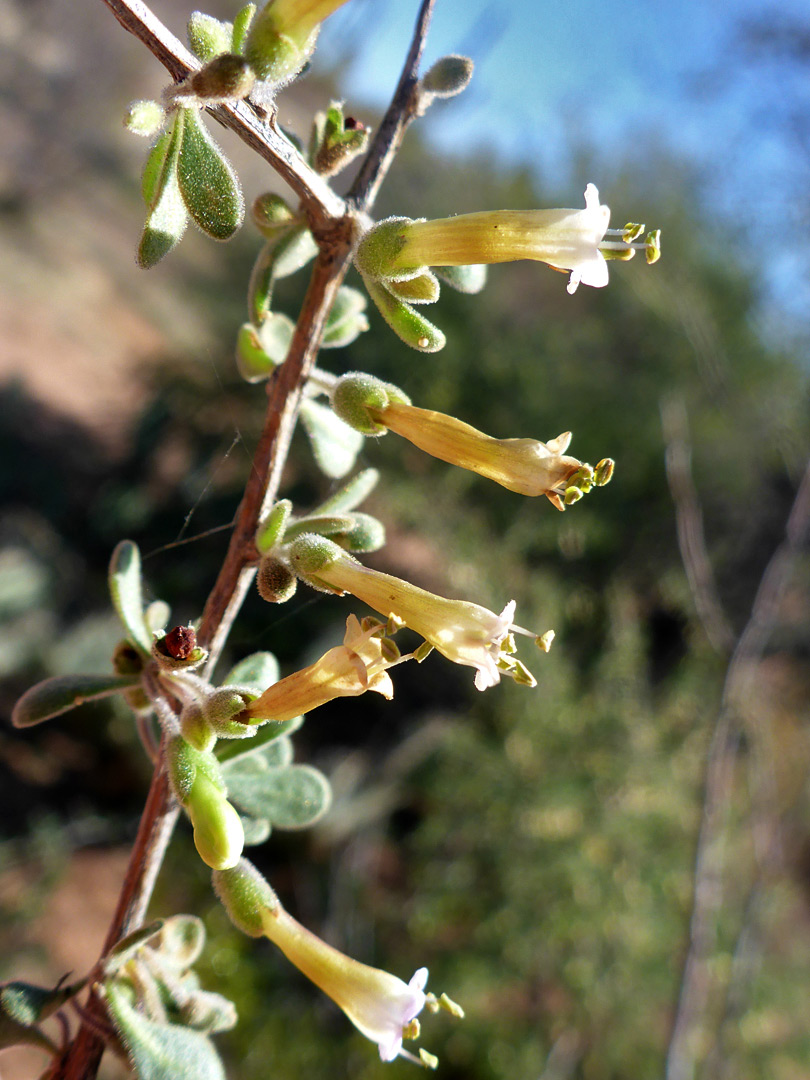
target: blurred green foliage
533 848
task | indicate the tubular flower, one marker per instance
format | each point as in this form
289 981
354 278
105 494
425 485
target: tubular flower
381 1006
526 466
566 239
346 671
463 632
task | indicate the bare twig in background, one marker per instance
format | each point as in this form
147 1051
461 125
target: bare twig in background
697 983
689 517
334 229
401 112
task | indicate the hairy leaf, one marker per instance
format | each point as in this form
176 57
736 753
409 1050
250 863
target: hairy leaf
160 1051
208 184
334 444
58 695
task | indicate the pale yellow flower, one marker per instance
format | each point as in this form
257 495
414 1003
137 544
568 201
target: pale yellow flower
345 671
380 1005
527 466
465 633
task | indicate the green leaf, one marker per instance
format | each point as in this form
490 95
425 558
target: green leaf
252 361
275 334
351 495
285 253
27 1005
65 692
406 323
122 952
160 1051
167 218
323 524
334 444
273 754
256 830
227 753
208 184
290 798
208 37
125 589
346 320
181 942
257 671
241 26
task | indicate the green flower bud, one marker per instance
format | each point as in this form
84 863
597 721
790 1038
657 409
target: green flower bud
448 76
245 895
218 834
195 729
270 213
271 529
184 763
354 394
144 118
275 581
367 534
208 37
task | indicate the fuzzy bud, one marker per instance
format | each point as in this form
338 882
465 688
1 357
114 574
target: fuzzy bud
195 729
311 553
144 118
222 706
218 834
270 213
225 78
275 581
448 76
354 394
367 534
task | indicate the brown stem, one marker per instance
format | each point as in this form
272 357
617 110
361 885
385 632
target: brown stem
401 112
154 832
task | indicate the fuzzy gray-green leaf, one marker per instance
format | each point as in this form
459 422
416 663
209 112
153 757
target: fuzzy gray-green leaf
126 593
290 798
65 692
258 671
167 218
208 184
334 444
160 1051
267 741
351 495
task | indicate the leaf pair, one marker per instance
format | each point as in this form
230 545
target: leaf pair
186 175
